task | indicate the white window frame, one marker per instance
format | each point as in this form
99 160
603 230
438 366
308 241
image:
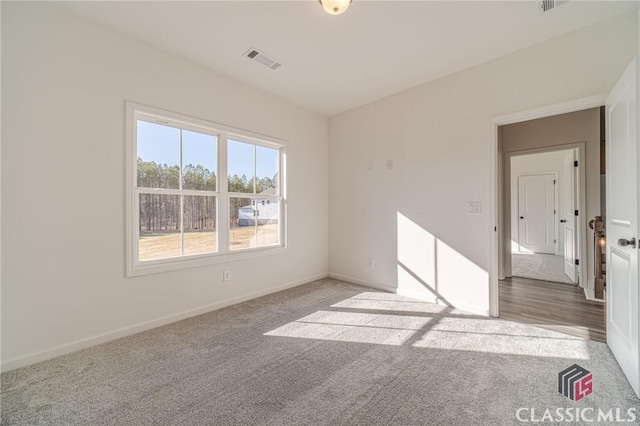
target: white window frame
135 267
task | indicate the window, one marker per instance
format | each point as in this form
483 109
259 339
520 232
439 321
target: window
199 193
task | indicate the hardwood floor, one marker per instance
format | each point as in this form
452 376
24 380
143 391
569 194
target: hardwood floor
556 306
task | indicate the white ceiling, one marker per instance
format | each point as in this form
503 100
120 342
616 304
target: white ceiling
334 63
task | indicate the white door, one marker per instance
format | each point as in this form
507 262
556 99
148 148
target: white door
622 226
536 217
568 216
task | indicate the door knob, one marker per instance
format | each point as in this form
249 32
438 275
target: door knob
563 220
521 217
623 243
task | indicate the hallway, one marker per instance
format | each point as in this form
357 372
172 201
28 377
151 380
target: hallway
551 305
538 266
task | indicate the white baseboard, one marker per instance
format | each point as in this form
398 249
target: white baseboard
407 293
66 348
471 309
416 295
590 295
361 282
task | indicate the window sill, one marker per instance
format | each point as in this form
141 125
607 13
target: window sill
144 268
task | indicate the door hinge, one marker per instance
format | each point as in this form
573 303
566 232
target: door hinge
576 212
554 241
575 163
577 262
554 181
554 212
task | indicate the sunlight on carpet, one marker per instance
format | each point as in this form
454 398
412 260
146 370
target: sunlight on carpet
325 353
426 325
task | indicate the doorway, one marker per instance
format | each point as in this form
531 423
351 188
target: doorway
542 203
622 161
550 188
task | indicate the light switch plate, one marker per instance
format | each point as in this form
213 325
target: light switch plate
474 208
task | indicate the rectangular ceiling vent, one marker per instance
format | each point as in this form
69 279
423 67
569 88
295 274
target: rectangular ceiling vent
547 5
265 60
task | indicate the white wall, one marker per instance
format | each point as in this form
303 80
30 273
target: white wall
438 136
64 86
547 162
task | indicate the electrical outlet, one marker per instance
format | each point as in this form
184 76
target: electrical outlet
389 164
226 276
370 262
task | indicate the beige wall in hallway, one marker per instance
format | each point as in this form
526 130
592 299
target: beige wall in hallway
581 126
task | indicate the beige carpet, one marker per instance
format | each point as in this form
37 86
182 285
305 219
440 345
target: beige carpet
545 267
326 353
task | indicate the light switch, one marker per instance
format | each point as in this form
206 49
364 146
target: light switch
474 208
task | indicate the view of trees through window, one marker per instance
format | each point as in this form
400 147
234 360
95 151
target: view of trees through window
178 193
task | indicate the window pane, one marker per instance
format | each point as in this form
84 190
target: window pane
159 226
268 229
158 155
199 225
199 161
266 170
242 224
240 166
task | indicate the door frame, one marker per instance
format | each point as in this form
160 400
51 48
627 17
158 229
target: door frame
504 228
495 214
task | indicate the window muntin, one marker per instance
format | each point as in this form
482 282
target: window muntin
253 169
170 161
191 183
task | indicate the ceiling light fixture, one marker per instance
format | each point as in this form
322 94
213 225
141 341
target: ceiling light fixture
335 7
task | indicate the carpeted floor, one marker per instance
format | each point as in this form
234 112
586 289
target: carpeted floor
545 267
324 353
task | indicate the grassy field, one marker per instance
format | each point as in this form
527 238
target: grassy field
160 245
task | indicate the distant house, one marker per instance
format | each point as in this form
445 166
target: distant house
264 211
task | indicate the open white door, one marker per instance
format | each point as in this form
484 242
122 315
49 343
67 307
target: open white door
568 217
536 214
622 226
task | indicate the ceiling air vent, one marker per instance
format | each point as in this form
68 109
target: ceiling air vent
547 5
265 60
